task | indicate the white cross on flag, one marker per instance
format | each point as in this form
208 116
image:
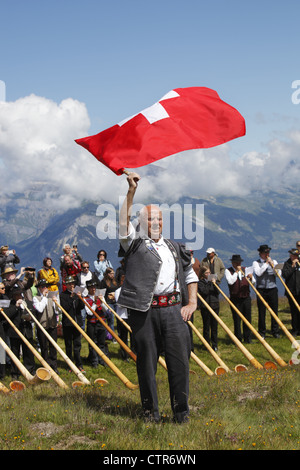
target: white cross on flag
183 119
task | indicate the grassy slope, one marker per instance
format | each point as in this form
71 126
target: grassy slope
257 409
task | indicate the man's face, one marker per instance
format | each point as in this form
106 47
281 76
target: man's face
236 264
152 222
264 254
92 290
71 286
68 260
10 276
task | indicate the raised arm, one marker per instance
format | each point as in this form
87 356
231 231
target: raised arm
125 212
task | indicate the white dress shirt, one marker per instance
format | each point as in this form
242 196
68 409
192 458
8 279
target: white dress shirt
166 282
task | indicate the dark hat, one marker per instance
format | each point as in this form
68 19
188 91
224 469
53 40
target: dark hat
15 291
8 271
70 280
91 283
236 258
294 251
42 283
264 248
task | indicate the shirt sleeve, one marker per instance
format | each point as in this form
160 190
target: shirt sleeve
230 278
127 240
190 275
39 305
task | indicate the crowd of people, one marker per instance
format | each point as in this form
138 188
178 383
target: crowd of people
262 275
44 294
43 291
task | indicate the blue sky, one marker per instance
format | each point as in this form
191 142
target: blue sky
118 57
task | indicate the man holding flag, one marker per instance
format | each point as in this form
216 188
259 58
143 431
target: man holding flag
160 293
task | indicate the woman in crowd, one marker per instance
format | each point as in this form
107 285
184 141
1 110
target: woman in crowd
50 275
101 264
110 284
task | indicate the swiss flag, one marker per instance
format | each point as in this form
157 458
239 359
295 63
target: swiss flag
184 119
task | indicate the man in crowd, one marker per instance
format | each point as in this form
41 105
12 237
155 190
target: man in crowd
69 267
291 275
160 293
239 290
94 328
11 279
263 269
214 263
8 258
71 303
47 316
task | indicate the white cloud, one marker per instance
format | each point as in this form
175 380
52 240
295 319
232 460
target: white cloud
37 144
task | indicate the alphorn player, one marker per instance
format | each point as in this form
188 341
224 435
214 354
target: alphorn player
21 319
45 311
239 291
160 293
266 286
291 274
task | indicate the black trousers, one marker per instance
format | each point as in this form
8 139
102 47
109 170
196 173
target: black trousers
210 324
97 332
28 357
244 306
48 351
123 335
72 338
153 331
295 314
271 297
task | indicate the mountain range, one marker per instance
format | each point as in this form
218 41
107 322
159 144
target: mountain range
232 225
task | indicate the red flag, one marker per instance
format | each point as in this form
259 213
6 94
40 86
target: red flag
184 119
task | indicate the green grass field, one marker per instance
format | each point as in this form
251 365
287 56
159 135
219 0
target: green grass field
251 410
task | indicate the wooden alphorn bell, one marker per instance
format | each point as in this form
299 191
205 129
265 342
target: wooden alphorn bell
232 336
41 374
72 366
110 364
273 353
15 386
49 369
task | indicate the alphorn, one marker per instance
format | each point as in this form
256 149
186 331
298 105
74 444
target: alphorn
273 353
204 367
209 348
110 364
4 389
72 366
49 369
237 342
161 361
112 332
285 286
15 386
294 342
41 374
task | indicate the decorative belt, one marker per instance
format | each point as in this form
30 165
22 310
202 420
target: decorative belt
166 300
